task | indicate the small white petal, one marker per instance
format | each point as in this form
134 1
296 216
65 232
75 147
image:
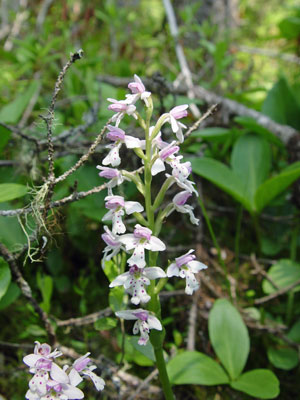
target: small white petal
157 167
196 266
97 380
154 323
58 375
154 272
133 206
74 377
128 240
120 280
155 244
172 270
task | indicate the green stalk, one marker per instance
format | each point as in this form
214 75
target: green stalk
212 234
237 237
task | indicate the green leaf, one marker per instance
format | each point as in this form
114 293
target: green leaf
290 27
45 284
251 161
146 350
12 293
253 126
260 383
194 368
283 273
222 176
271 188
229 337
211 133
283 357
281 105
105 324
12 112
5 277
116 295
294 333
10 191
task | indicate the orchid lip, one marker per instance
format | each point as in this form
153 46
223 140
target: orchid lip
142 315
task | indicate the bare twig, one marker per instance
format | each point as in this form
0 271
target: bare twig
259 270
50 116
85 157
26 291
144 384
54 204
196 125
87 319
268 53
277 293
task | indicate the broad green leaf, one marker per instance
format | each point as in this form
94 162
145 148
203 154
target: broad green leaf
222 176
283 357
12 293
253 126
194 368
229 337
5 277
12 112
45 284
105 324
281 105
290 27
116 298
294 333
251 161
271 188
283 273
259 383
10 191
146 350
212 133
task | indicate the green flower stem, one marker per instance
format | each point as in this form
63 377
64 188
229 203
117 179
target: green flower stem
158 125
161 216
161 194
156 339
140 219
135 179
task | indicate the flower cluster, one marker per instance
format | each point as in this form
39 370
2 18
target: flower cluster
157 156
50 382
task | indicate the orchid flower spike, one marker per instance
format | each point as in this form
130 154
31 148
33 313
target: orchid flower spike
186 267
145 322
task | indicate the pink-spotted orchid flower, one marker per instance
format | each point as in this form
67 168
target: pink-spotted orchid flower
117 208
144 322
185 267
140 240
135 280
